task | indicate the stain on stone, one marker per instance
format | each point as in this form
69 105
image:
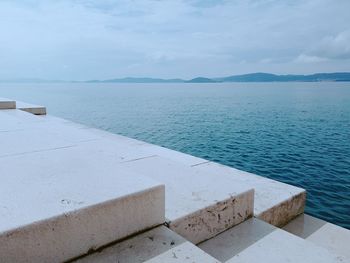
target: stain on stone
223 209
281 214
69 202
90 250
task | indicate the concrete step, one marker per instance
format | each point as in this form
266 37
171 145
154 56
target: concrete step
276 203
157 245
57 201
236 239
54 209
31 108
332 237
257 241
198 213
281 246
7 104
198 205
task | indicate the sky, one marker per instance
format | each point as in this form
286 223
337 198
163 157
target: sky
103 39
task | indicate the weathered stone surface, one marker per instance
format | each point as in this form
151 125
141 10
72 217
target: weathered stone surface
283 212
57 204
275 202
209 221
198 205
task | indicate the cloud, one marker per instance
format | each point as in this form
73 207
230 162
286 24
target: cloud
303 58
334 47
92 39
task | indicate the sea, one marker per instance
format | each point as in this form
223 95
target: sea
293 132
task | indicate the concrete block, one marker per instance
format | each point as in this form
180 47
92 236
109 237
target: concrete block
281 246
276 203
157 245
198 205
56 205
236 239
7 104
31 108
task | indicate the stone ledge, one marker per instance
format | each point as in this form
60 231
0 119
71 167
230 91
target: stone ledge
198 206
57 205
7 104
274 202
31 108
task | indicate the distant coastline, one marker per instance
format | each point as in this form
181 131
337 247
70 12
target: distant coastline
252 77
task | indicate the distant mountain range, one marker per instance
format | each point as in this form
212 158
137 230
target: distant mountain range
253 77
266 77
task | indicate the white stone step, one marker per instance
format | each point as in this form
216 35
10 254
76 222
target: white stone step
198 205
332 237
77 140
62 202
31 108
58 209
281 246
234 240
157 245
276 203
256 241
73 141
7 104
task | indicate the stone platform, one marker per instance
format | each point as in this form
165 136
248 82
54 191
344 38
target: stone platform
74 193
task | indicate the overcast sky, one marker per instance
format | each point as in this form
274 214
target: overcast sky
96 39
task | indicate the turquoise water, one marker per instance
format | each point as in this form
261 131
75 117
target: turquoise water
298 133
